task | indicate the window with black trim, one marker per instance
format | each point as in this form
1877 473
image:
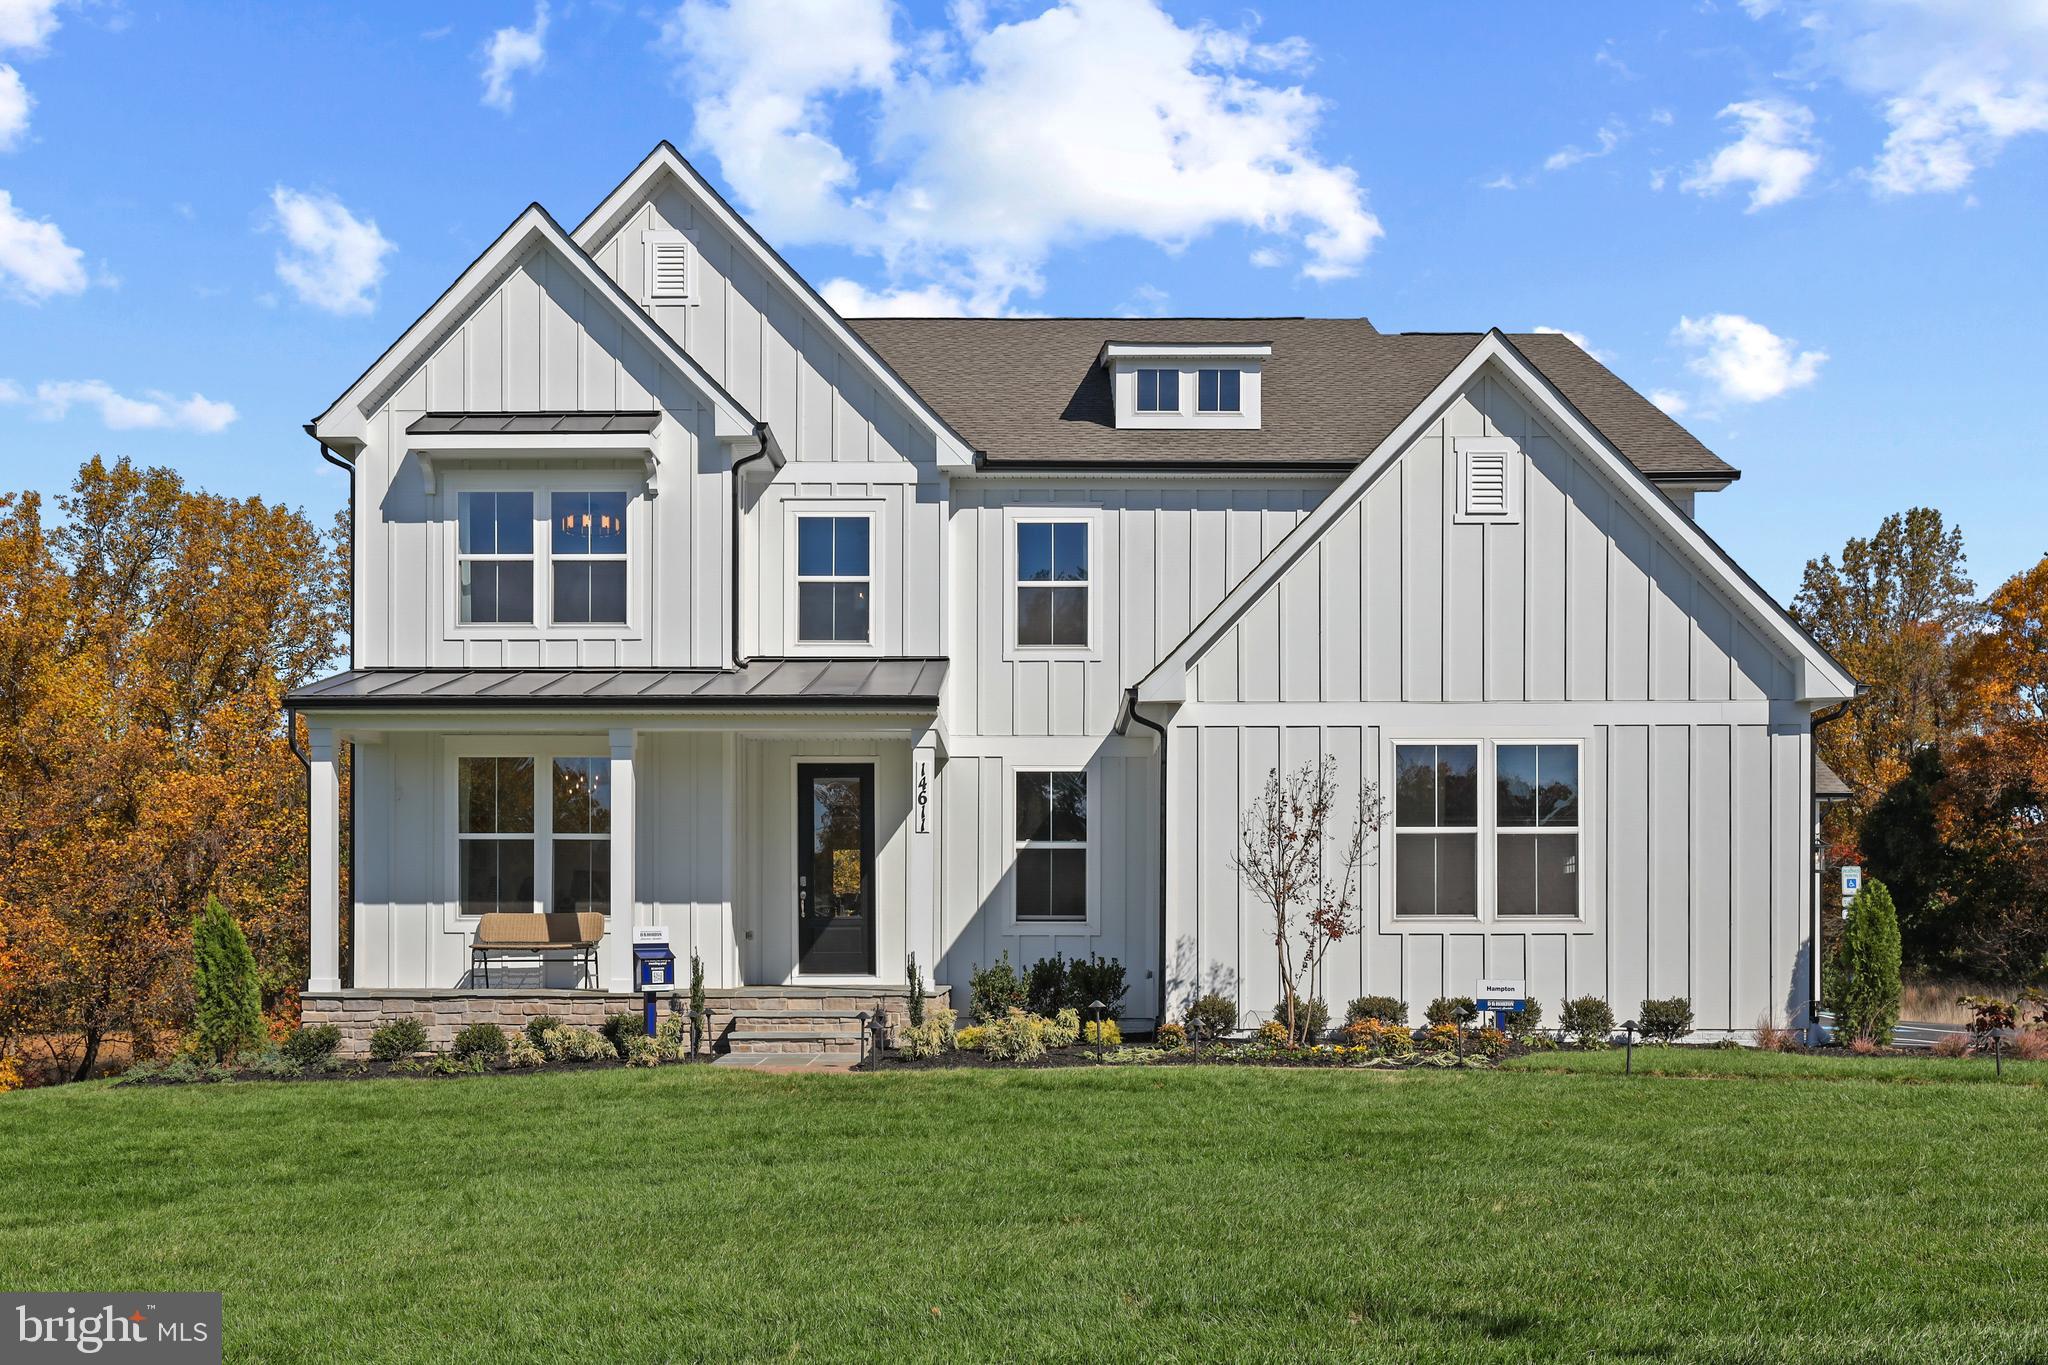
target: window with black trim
833 579
1436 830
1052 846
1536 830
580 818
587 558
494 558
494 834
1052 584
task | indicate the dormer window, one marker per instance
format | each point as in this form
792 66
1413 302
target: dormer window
1158 390
1218 391
1186 386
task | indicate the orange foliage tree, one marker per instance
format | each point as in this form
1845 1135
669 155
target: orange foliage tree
148 633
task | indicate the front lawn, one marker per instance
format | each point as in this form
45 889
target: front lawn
1192 1213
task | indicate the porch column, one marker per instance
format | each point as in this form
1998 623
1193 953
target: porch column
921 902
625 860
323 796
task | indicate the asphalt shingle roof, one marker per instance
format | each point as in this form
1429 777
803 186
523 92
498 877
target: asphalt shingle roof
1030 390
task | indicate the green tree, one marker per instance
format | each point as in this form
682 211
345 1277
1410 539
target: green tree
1865 987
227 1005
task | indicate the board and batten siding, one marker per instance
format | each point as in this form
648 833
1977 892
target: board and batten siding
1577 623
540 342
907 554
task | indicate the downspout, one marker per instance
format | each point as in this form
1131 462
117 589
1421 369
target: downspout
1820 718
760 452
291 726
1131 709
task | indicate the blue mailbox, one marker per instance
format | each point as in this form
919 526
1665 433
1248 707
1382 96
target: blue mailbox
654 968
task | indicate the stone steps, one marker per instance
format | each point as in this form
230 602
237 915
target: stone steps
798 1028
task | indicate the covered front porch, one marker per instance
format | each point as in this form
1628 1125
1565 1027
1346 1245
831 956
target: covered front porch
779 821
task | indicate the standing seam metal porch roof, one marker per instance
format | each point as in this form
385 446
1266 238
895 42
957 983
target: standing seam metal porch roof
910 682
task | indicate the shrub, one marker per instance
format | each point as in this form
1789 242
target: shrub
1170 1038
1018 1036
312 1047
1047 987
2030 1045
1863 1045
1865 986
1486 1041
1311 1017
641 1050
1097 979
1439 1038
1063 1028
2038 998
1665 1021
1522 1024
916 975
620 1028
1217 1015
1770 1037
227 1004
398 1039
1380 1037
524 1052
538 1026
1536 1040
588 1045
1449 1009
1587 1021
10 1075
1388 1009
1989 1013
994 991
970 1038
480 1040
272 1061
696 985
672 1037
1951 1045
922 1040
1272 1033
1106 1033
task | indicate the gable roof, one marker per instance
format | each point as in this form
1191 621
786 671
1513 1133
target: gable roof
1817 675
1031 391
534 229
605 219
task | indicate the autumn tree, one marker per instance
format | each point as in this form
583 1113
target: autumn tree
1312 886
148 634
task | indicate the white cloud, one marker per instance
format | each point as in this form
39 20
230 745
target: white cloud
1744 360
1504 181
15 102
1775 155
1609 137
1955 80
510 51
10 392
35 260
1268 258
154 411
333 259
1670 402
1577 339
1663 118
851 299
26 25
982 148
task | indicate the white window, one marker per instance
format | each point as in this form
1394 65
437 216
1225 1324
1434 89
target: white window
1158 390
587 558
1052 584
834 581
523 846
1436 830
1489 479
1052 847
494 833
494 557
1536 830
1217 390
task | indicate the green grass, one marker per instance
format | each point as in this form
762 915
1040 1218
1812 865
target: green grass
1196 1214
1747 1063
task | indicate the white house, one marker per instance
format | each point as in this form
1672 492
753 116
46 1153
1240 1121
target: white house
823 643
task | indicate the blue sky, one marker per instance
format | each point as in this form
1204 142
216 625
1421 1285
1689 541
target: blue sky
1816 225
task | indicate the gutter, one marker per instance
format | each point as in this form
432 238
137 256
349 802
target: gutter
1131 710
739 660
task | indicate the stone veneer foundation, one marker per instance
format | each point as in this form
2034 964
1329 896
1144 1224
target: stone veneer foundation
358 1013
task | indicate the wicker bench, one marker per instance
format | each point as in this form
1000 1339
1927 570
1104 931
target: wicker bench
530 935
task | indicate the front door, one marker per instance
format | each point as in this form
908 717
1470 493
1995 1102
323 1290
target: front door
835 869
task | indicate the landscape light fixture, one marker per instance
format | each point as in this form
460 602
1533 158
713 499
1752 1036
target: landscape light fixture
1628 1064
1097 1007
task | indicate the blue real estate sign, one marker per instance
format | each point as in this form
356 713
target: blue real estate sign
1508 995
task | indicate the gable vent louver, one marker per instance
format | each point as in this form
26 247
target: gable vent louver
1486 486
668 267
1489 486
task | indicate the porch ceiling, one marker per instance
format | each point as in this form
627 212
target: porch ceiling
761 683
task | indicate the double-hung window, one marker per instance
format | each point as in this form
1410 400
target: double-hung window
1052 584
587 558
833 580
1158 390
581 820
1052 847
1536 829
1436 830
1217 390
495 558
494 834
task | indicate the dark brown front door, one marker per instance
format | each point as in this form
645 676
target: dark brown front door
835 869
